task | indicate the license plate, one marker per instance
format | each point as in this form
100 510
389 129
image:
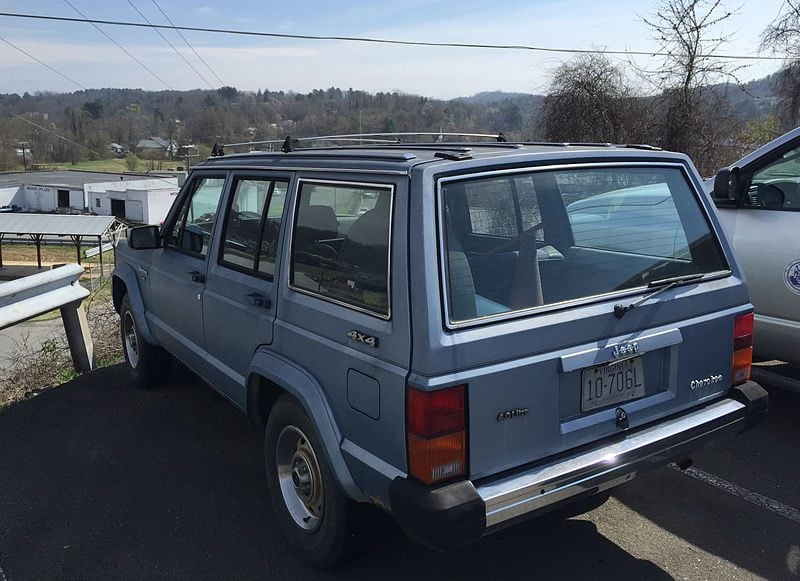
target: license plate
611 383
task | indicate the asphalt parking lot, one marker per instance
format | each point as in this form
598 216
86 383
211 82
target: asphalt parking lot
100 481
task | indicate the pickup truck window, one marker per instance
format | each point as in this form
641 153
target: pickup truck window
341 249
193 227
252 225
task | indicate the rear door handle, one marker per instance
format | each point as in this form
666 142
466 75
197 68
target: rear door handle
259 300
197 276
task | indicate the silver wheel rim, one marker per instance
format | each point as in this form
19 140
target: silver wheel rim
131 340
299 478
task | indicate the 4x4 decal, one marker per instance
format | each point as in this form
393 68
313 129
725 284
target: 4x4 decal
362 338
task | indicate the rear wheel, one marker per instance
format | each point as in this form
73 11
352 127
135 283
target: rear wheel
148 365
314 516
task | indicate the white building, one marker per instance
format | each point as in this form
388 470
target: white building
133 197
145 201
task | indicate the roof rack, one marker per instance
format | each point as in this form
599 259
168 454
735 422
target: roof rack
290 143
441 141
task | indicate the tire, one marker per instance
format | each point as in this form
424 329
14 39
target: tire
148 365
315 517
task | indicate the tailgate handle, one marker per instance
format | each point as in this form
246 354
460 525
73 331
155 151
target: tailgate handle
197 276
259 300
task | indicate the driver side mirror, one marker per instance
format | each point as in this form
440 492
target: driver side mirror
144 238
726 184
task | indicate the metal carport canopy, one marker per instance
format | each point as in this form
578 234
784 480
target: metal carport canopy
38 226
55 224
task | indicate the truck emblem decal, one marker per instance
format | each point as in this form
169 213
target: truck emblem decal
362 338
705 382
509 414
792 276
625 350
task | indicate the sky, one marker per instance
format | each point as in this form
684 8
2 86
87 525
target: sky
79 51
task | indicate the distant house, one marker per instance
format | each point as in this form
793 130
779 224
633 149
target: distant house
117 149
157 146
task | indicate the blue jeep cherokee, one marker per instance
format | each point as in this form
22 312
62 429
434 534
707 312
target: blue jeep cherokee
420 326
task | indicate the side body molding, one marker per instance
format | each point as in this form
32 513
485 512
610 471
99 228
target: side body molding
127 275
305 389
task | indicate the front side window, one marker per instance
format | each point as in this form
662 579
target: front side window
526 240
193 227
340 247
776 186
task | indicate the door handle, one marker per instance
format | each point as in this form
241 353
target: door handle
197 276
259 300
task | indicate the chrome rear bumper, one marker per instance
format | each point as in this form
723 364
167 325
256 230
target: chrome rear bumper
448 516
599 469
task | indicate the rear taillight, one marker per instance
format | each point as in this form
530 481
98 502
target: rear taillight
436 431
742 348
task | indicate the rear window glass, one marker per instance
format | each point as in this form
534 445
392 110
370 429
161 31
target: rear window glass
526 240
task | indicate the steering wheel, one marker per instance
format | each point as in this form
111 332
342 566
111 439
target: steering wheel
770 196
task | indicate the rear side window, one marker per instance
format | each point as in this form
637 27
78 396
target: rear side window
340 248
518 241
252 227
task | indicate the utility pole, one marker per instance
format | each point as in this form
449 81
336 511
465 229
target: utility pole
24 145
188 157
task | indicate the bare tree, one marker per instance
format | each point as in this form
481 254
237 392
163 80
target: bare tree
692 117
589 100
783 35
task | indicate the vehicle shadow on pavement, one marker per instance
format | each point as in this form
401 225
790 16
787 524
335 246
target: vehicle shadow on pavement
762 461
100 480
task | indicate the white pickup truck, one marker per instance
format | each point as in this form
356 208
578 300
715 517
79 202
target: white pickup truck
758 202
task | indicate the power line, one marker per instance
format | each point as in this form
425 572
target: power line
383 40
93 23
210 86
41 62
208 66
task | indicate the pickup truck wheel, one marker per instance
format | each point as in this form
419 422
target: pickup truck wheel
147 364
313 514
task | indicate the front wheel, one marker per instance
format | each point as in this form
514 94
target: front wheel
148 364
313 514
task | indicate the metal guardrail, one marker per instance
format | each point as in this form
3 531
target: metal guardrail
34 295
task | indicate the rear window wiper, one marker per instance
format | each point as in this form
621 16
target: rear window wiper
661 285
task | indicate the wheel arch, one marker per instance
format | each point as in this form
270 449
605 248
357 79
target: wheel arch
124 282
271 376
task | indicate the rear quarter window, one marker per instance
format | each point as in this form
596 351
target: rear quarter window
340 249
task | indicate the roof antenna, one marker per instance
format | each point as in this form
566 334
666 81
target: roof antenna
501 137
287 146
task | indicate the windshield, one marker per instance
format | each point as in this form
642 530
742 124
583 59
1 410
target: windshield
517 241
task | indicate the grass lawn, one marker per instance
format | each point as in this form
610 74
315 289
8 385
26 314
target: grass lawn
117 165
50 253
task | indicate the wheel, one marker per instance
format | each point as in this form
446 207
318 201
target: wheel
314 516
148 365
